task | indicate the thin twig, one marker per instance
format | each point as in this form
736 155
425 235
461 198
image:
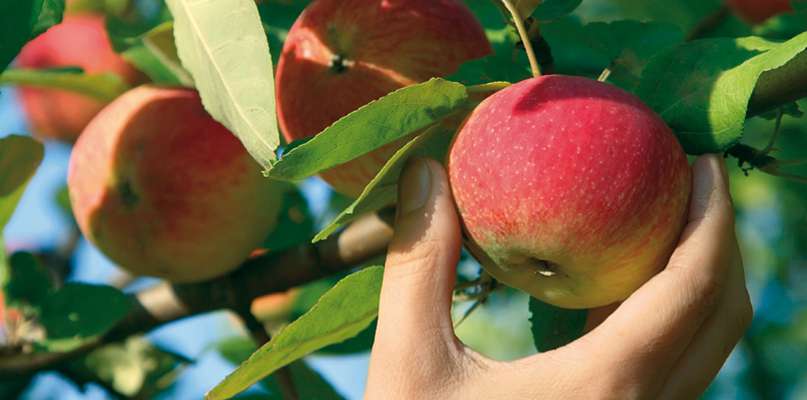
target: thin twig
775 134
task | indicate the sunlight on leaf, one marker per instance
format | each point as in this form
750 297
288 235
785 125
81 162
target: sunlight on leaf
223 45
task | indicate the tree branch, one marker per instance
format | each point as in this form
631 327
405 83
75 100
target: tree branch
362 241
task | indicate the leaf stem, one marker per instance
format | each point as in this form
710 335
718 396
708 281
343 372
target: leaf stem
518 21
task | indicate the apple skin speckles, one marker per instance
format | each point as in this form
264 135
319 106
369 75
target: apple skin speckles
572 172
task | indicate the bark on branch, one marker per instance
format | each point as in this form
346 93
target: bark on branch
362 241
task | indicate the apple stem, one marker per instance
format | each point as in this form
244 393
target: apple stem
522 32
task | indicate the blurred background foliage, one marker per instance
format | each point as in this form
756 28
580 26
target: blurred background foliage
770 363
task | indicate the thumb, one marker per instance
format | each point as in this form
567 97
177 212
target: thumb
419 274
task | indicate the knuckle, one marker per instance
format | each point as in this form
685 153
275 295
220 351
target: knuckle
423 252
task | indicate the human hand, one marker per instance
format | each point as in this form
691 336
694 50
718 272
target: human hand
666 341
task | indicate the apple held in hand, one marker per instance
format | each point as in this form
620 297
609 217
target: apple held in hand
342 54
164 190
570 189
79 41
757 11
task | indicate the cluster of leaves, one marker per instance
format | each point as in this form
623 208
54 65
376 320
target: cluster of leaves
701 88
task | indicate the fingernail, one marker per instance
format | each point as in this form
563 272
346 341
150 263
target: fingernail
414 187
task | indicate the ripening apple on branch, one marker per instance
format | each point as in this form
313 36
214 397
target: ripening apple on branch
570 189
164 190
81 40
342 54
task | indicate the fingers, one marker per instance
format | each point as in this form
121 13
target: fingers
713 343
419 274
650 330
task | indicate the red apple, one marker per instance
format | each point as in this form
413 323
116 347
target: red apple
79 41
342 54
570 189
757 11
164 190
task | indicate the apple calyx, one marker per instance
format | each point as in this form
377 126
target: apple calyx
340 64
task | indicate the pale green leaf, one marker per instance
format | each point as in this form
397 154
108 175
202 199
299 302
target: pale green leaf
223 45
160 42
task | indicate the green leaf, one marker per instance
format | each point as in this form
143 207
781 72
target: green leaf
29 283
160 42
223 45
50 13
278 17
550 10
507 62
309 383
361 343
377 123
20 156
553 327
623 46
151 49
702 88
340 314
78 312
383 189
295 223
104 87
22 20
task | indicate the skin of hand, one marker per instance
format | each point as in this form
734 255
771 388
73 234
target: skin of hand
666 341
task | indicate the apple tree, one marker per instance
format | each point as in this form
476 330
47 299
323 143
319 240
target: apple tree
247 154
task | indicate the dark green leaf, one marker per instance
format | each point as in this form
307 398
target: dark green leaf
553 327
78 312
380 122
702 88
20 156
278 17
340 314
21 21
550 10
295 223
50 13
29 283
624 46
361 343
309 384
